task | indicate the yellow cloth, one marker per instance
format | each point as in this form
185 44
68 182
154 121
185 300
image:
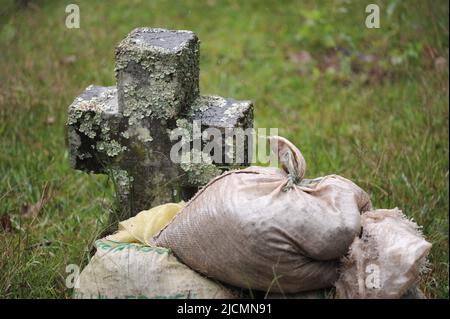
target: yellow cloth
142 227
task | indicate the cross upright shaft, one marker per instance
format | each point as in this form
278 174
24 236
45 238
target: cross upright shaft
125 131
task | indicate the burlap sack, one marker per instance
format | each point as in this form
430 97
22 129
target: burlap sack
386 261
124 270
268 229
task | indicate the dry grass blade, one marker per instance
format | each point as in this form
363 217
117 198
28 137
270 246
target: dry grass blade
33 210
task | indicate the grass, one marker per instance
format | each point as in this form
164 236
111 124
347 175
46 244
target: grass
369 104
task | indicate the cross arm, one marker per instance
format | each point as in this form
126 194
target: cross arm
222 113
92 126
231 117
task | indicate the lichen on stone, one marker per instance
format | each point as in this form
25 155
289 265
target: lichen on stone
155 80
110 147
197 165
89 117
236 110
122 180
202 103
198 173
143 134
157 99
186 128
140 132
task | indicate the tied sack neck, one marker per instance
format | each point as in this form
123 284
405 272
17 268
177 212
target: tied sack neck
291 159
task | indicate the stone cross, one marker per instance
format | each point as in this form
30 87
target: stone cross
124 131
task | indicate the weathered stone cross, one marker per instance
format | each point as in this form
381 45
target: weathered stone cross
124 131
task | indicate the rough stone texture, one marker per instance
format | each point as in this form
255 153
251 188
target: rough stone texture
216 111
93 123
224 114
124 132
157 73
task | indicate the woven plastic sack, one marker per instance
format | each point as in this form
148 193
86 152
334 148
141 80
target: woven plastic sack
124 270
268 229
386 261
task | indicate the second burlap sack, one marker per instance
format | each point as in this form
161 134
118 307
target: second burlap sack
266 228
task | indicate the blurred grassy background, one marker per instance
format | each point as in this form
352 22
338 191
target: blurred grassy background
369 104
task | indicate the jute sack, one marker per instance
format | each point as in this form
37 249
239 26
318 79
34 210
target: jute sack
266 228
386 261
126 270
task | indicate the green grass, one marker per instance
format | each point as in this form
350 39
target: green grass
382 124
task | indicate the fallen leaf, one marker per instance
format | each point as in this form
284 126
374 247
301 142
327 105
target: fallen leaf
70 59
302 57
440 64
303 60
6 223
329 62
429 53
31 211
50 120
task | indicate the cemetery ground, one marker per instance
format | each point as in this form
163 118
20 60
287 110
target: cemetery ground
368 104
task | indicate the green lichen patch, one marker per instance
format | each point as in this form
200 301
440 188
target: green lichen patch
95 99
218 112
140 132
110 147
90 115
198 173
237 110
122 180
157 40
197 165
202 103
157 72
157 100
